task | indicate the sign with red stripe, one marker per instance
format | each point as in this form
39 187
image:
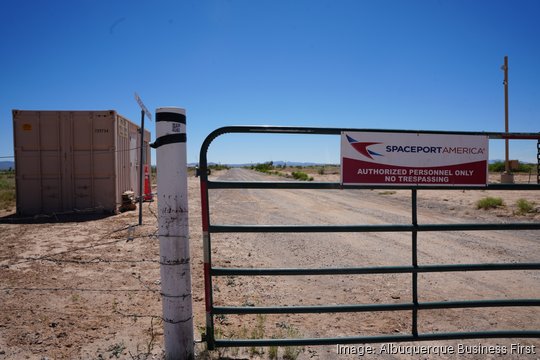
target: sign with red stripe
375 158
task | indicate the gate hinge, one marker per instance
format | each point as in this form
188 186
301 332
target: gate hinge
198 171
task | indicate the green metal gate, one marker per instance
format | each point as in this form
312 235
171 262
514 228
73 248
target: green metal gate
414 268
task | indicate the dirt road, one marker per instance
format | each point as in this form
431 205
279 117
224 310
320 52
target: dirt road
88 287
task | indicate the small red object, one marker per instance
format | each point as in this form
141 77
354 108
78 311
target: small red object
147 185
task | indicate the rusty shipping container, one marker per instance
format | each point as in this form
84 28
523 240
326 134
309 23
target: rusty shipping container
75 160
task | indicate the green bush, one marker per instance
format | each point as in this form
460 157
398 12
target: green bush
499 167
218 167
496 166
526 168
264 168
524 206
300 175
489 203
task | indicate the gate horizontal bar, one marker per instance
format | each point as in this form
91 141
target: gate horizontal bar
369 228
372 270
319 309
338 186
257 129
512 334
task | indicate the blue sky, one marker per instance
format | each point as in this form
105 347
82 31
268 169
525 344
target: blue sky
432 65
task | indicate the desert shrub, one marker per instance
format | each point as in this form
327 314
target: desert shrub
218 167
300 175
489 203
496 166
264 167
292 352
499 167
525 206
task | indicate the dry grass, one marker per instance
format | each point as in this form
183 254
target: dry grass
489 203
7 190
525 206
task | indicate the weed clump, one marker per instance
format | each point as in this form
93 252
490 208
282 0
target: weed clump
525 206
489 203
264 168
300 175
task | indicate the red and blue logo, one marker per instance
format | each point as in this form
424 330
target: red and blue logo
362 147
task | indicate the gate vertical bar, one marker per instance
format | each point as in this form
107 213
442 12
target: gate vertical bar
207 254
203 173
175 261
538 162
414 264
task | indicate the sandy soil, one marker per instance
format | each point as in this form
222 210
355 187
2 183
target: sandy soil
87 287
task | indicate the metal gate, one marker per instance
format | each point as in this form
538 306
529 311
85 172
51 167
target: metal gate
414 268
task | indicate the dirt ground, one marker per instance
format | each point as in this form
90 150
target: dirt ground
87 287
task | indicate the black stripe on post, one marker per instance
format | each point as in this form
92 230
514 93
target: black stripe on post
171 117
168 139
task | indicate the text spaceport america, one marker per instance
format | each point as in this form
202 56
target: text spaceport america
435 149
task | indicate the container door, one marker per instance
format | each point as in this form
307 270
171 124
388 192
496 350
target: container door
83 187
38 162
133 163
103 160
66 160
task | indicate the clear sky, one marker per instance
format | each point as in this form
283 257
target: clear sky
431 65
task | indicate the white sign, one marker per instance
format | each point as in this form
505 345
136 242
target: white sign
413 159
141 104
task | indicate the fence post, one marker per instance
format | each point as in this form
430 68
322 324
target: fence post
173 225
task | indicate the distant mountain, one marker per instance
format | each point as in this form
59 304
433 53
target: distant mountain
6 165
502 160
276 163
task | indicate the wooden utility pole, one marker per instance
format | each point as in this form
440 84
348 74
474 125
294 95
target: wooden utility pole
506 149
507 176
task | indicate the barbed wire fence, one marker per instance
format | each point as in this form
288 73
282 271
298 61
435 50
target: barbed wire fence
85 255
54 152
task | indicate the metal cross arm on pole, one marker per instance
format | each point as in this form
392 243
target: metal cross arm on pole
142 160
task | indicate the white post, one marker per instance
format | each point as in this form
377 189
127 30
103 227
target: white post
174 255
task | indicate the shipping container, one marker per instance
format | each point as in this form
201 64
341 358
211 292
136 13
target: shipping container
75 160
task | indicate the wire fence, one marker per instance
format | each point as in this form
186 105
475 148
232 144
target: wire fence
54 152
124 260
